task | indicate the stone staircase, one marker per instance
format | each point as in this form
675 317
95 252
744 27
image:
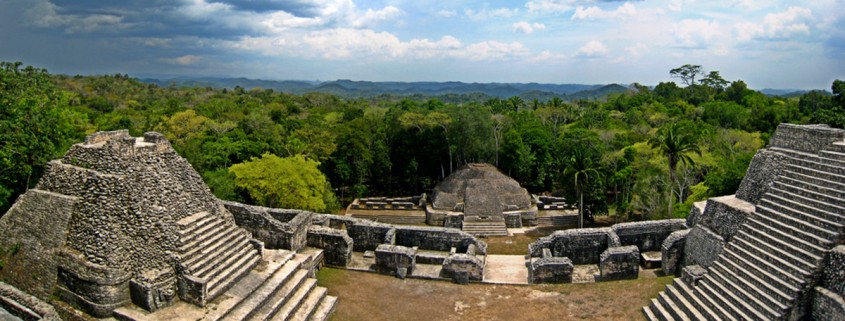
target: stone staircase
767 270
278 289
485 228
561 220
394 219
214 255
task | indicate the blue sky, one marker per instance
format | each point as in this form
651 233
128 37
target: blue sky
768 44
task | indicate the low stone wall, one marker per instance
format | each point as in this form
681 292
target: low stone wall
395 260
92 288
389 203
647 235
672 252
550 269
336 244
582 246
35 309
834 270
262 222
702 247
438 239
621 262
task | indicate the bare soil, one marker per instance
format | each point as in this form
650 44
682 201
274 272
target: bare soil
368 296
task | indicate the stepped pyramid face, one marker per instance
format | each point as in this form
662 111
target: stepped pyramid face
480 190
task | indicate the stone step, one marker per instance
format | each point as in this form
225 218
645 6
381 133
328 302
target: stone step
681 302
785 285
723 298
759 225
765 296
752 303
807 201
828 165
670 306
796 256
202 231
659 311
710 301
188 223
281 297
250 305
769 264
753 282
285 313
811 194
325 309
220 246
688 293
776 259
227 276
309 305
818 231
832 154
649 315
829 185
206 264
831 221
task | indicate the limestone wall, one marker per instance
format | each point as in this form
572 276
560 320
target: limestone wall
26 307
647 235
336 244
702 247
764 168
582 246
277 229
805 138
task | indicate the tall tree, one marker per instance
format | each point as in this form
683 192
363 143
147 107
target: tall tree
676 141
290 182
687 73
582 167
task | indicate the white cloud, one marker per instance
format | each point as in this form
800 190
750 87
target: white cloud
494 51
695 33
549 6
374 16
596 13
527 27
485 14
592 49
446 13
183 60
45 14
637 50
777 26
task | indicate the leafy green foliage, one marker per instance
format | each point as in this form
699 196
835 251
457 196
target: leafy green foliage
290 182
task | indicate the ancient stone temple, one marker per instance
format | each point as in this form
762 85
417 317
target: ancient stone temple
482 201
773 251
123 226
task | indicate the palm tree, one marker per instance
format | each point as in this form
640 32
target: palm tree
581 166
676 142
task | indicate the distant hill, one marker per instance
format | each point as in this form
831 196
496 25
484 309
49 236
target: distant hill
351 88
783 92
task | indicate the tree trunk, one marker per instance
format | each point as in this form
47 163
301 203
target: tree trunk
581 208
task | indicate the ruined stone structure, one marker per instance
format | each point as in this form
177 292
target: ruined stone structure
122 226
769 252
482 201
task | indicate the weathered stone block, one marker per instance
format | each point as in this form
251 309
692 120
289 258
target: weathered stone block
551 270
695 213
391 258
834 271
156 291
764 168
25 306
702 246
513 220
672 252
336 244
647 235
724 215
463 268
692 274
453 221
828 306
621 262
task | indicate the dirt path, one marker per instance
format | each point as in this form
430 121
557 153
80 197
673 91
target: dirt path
368 296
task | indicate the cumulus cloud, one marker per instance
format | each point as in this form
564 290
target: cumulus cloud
485 14
45 14
549 6
695 33
592 49
596 13
790 23
446 13
527 27
637 50
374 16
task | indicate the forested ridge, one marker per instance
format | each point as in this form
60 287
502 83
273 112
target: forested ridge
645 153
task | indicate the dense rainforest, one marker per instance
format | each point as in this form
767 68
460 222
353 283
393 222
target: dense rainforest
643 154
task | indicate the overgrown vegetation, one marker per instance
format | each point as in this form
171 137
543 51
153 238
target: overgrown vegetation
614 152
